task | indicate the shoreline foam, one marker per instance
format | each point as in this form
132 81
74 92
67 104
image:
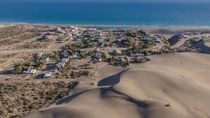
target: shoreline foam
111 25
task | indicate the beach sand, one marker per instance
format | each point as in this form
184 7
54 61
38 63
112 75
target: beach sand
169 86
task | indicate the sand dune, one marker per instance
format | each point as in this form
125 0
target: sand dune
169 86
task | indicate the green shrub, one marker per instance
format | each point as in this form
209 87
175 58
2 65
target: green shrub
103 56
18 69
41 65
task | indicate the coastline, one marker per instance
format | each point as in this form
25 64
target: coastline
173 27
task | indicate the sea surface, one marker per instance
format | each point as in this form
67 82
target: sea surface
107 13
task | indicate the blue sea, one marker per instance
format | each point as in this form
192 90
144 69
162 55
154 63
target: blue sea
107 13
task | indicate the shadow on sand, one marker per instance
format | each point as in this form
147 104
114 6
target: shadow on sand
106 91
201 47
111 80
69 98
108 82
106 87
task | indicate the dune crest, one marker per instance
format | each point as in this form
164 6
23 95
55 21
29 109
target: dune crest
170 86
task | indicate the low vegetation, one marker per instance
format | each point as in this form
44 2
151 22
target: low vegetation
19 98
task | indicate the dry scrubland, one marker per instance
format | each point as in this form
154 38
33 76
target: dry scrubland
19 98
19 42
14 37
20 94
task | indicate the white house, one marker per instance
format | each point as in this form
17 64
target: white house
47 75
30 71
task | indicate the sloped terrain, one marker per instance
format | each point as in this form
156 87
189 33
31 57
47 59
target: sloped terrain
169 86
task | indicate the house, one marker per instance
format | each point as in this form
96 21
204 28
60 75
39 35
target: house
47 75
74 55
139 58
137 55
124 61
107 54
152 39
65 60
13 71
44 59
60 65
75 30
39 55
64 37
44 76
54 70
97 57
60 39
46 37
121 61
59 30
84 52
117 52
101 42
30 71
69 36
97 50
64 54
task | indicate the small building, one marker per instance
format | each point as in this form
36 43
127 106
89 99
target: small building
39 55
44 59
84 52
30 71
13 71
137 55
65 60
60 39
54 70
117 52
46 37
139 58
152 39
60 65
47 75
124 62
59 30
64 54
74 55
44 76
97 57
101 42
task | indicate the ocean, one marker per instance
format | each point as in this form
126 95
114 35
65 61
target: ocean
107 13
